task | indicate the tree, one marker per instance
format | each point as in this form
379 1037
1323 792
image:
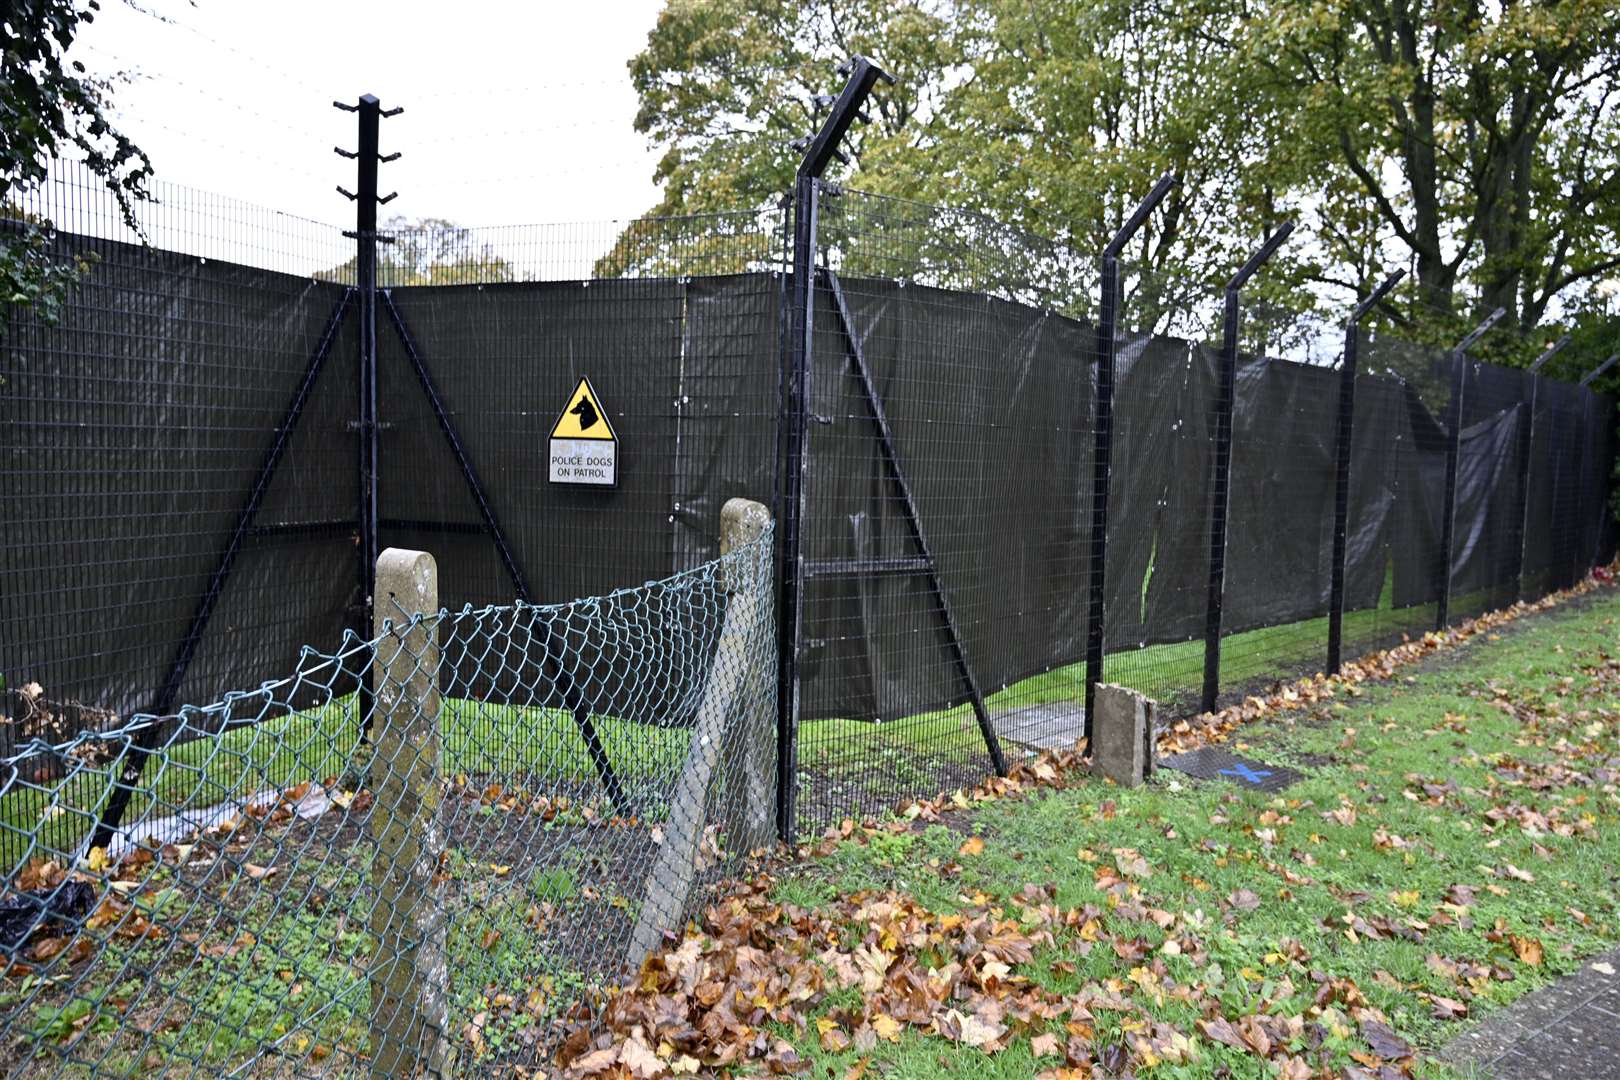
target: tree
1475 144
429 251
47 106
1481 137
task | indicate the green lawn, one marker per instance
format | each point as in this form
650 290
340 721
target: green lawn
516 744
1452 848
544 745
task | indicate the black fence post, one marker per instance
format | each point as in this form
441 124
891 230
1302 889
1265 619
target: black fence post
795 414
1220 483
366 158
1592 376
1341 469
1526 447
1454 417
1103 433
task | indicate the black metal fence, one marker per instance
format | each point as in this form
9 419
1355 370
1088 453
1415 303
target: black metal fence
1003 469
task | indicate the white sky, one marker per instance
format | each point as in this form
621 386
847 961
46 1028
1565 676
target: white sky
515 112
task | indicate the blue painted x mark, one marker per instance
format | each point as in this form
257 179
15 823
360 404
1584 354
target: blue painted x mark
1242 771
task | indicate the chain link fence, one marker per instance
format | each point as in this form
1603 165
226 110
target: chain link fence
303 889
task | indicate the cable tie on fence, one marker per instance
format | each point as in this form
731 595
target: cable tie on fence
384 200
342 153
395 111
386 158
347 194
345 107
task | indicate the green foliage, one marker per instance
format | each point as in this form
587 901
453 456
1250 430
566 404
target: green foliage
428 251
49 106
1475 146
33 274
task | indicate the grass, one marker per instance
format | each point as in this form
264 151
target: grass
322 743
482 738
1171 673
1404 800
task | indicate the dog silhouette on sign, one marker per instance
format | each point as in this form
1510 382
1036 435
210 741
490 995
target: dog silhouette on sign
586 413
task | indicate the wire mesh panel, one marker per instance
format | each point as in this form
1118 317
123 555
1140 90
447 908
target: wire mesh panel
291 896
1279 545
1407 393
685 368
1487 548
172 457
1159 501
946 516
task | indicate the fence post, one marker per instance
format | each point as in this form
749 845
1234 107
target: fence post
1341 469
1103 435
1591 376
1527 443
366 158
1454 415
1220 485
410 980
724 736
795 414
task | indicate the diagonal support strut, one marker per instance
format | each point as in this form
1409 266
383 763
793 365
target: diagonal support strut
573 701
135 761
891 459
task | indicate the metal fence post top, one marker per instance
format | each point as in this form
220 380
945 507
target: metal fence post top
1372 300
1139 216
1600 369
863 75
1549 352
1264 252
1478 332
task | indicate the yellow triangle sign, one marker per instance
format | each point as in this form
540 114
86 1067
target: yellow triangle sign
584 417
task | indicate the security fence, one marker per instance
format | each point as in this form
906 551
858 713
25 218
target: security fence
1000 468
307 888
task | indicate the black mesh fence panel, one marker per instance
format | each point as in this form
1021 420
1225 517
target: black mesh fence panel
946 526
183 517
134 436
1159 495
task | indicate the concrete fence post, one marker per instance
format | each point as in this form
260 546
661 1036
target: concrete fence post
410 973
1123 734
731 736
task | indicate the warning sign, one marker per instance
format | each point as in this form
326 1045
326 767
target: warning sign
584 446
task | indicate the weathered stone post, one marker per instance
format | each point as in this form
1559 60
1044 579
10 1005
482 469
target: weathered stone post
1122 734
751 749
734 719
410 974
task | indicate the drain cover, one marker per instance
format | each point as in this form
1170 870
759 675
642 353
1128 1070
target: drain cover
1208 763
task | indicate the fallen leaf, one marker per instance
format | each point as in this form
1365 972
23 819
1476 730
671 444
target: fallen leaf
639 1058
1528 950
973 845
1384 1042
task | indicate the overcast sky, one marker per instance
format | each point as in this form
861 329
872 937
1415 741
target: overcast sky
514 112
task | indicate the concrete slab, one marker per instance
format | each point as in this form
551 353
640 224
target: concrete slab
1563 1030
1055 725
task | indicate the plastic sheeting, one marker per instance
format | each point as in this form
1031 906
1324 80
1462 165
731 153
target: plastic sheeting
989 404
130 437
